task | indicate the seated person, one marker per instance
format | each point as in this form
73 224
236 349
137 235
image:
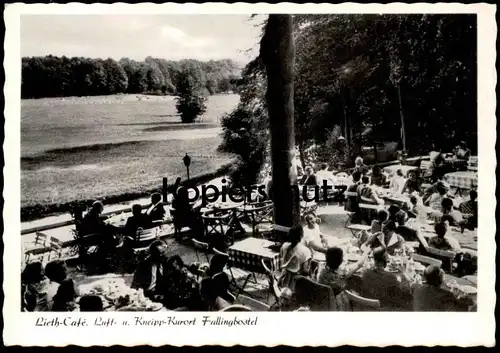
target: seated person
334 274
214 286
443 242
184 214
462 152
56 272
34 288
360 166
89 303
413 184
309 178
295 257
314 239
93 223
324 175
376 226
438 168
388 239
470 207
436 199
430 296
378 178
377 283
448 214
352 203
397 215
137 220
150 272
64 300
397 182
156 211
367 194
414 210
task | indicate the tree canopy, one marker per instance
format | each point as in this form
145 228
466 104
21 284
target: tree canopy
53 76
363 75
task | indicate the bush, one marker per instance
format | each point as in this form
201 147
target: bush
190 102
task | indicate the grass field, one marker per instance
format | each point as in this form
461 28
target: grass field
87 148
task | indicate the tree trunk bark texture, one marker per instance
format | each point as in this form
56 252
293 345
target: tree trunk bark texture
278 54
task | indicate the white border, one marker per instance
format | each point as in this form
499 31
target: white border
331 329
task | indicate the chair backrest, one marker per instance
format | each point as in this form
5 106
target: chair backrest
273 281
357 300
255 304
426 260
41 238
443 253
236 307
218 252
56 243
200 245
314 295
472 164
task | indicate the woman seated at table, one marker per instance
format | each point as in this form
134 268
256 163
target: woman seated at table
431 296
397 182
387 239
137 220
448 213
413 184
437 198
34 288
295 258
309 178
462 152
367 194
378 178
360 166
214 286
335 272
397 215
64 300
443 242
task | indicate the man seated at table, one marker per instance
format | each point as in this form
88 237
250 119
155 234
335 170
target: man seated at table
448 213
378 178
431 296
93 222
462 152
184 214
377 283
388 239
470 208
436 199
137 220
441 241
367 194
149 273
412 184
156 211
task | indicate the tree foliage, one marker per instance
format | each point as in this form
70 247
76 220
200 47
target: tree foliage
53 76
361 75
190 102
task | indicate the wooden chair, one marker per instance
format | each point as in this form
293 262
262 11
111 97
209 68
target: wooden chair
356 229
426 260
201 247
252 303
473 163
317 297
425 167
235 273
446 257
215 225
236 307
359 303
273 278
40 245
351 201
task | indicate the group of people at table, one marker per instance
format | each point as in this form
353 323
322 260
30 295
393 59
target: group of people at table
306 250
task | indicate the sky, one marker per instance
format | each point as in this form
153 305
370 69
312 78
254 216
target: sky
170 37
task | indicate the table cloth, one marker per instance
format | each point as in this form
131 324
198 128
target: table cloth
248 254
462 180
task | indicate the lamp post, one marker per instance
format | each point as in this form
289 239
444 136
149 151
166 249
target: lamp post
187 163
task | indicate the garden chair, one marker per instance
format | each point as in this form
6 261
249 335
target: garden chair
359 303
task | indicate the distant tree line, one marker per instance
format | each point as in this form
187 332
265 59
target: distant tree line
53 76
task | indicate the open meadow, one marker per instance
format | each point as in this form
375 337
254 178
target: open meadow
91 147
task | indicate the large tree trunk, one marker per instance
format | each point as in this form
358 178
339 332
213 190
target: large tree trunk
278 54
401 114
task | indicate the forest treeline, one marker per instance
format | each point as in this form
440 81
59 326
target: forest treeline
53 76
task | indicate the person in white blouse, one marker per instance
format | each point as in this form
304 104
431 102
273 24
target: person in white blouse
397 182
324 175
314 239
